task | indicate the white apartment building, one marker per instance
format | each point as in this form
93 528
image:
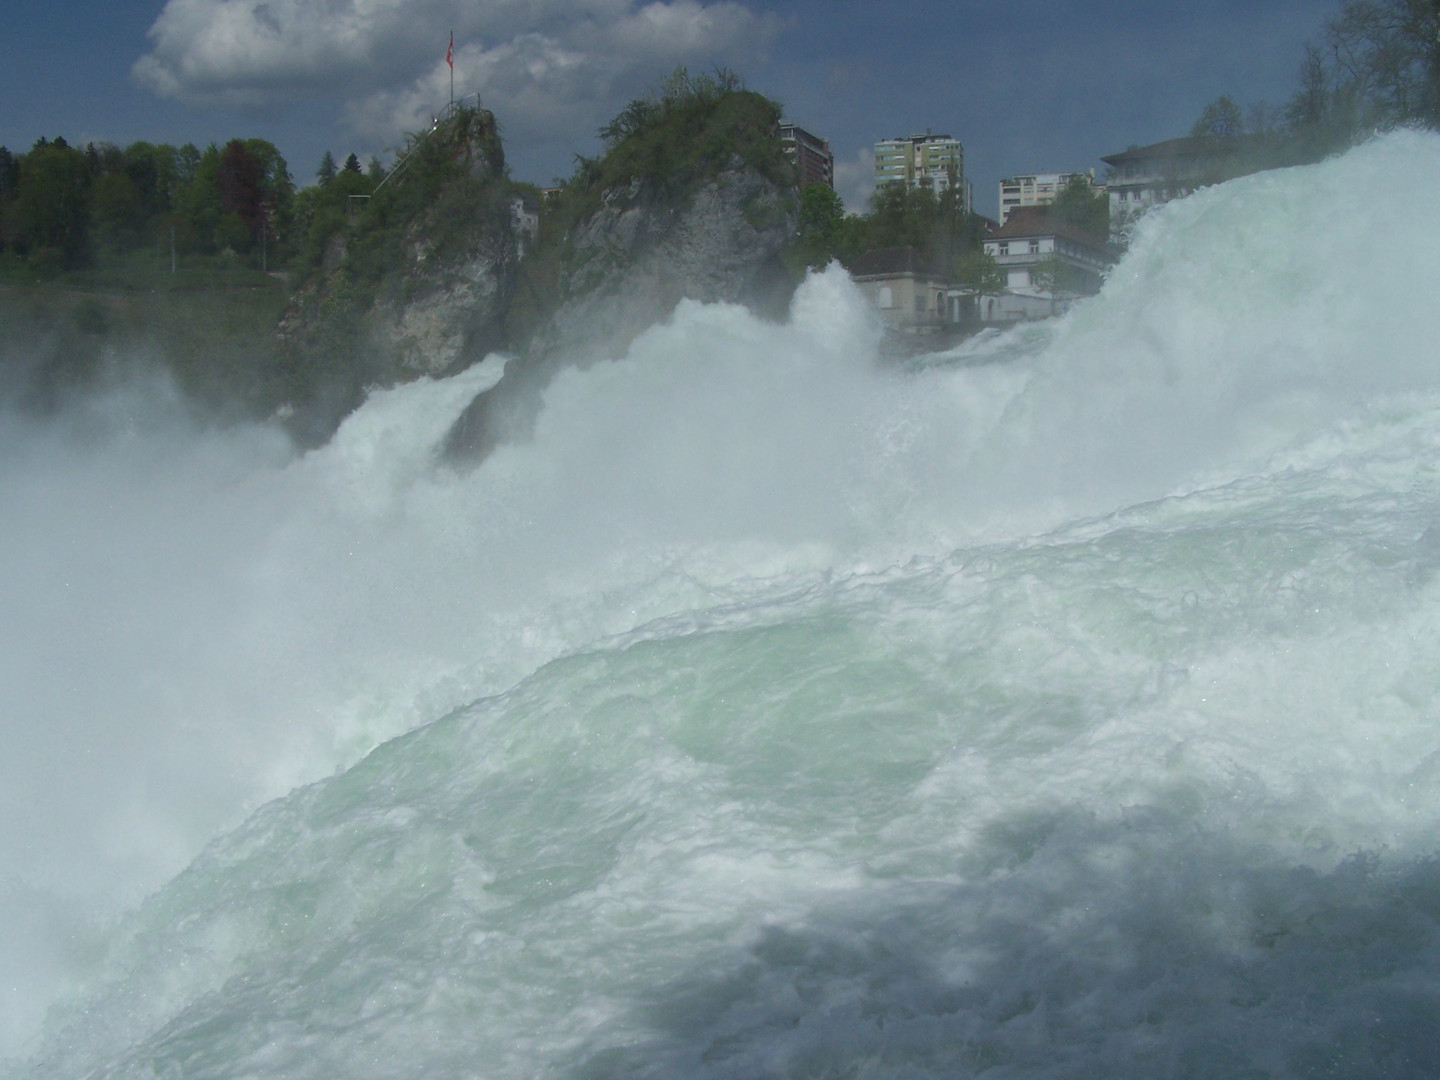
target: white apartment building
1037 189
936 162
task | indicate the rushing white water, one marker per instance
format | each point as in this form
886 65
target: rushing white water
1067 706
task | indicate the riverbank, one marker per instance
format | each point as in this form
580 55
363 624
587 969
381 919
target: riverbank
210 326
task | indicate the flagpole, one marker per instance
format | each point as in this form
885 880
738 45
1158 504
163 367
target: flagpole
450 59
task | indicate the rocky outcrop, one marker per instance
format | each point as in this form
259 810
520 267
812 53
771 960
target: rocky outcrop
697 202
637 256
451 317
424 296
626 266
426 317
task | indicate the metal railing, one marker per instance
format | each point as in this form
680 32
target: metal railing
445 114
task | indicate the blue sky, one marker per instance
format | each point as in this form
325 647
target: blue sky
1026 85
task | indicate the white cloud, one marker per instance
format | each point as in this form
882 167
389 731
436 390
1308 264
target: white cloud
548 68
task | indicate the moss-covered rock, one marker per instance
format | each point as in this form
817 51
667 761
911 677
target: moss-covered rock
416 281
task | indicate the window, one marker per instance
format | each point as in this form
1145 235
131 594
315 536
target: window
1034 247
1005 248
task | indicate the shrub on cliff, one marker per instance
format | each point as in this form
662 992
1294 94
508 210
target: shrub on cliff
446 174
372 246
660 149
690 129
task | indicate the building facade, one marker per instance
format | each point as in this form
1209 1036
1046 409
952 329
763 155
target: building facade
1145 176
1037 189
810 154
934 162
909 294
1048 265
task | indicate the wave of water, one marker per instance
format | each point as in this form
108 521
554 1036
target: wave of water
1063 708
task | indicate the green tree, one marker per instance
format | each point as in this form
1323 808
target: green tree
900 216
199 207
9 179
822 234
1081 205
352 164
116 213
187 164
978 271
1222 119
1378 66
326 172
154 171
49 218
935 225
9 172
692 126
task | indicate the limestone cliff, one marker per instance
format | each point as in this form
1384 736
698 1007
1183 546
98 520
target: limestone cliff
693 199
417 283
696 202
640 253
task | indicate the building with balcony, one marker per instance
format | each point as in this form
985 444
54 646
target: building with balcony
1037 189
1048 264
1145 176
810 154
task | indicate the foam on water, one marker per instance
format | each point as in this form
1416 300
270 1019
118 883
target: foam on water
1063 707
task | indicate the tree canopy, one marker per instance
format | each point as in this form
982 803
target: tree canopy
62 207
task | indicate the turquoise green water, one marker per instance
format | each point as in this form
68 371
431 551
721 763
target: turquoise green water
787 715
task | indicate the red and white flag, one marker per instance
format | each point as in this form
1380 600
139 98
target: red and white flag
450 51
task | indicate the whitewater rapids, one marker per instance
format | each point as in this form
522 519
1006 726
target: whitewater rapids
1066 705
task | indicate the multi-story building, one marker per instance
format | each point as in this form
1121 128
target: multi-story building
1038 189
1048 263
814 163
936 162
1145 176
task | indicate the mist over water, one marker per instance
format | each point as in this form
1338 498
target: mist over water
1064 705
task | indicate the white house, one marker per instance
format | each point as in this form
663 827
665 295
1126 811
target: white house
1048 264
